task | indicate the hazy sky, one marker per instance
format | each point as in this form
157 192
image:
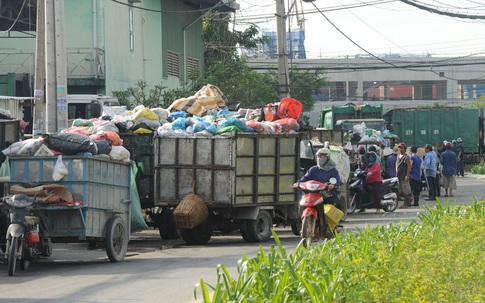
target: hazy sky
378 26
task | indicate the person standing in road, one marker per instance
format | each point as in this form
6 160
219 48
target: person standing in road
391 162
415 176
403 171
448 160
430 171
460 155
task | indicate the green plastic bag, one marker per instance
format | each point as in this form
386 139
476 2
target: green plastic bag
5 171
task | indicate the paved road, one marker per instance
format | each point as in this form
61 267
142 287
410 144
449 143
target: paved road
166 271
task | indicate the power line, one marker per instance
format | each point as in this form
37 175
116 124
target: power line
437 11
16 19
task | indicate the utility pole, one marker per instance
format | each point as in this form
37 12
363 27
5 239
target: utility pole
61 66
50 67
56 66
282 50
39 106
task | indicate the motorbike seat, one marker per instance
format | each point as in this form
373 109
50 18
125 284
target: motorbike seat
387 181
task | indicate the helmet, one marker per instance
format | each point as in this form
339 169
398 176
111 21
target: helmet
448 144
323 156
453 141
459 140
324 152
444 142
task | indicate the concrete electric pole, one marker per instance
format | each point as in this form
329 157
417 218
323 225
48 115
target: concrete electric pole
39 105
55 66
282 50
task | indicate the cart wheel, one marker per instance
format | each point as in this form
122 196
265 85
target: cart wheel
116 239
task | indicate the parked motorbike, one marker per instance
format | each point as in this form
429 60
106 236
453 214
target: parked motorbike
22 239
311 225
358 188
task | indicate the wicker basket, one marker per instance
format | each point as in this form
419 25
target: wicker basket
50 193
190 212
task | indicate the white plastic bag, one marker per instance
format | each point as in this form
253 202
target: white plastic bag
60 170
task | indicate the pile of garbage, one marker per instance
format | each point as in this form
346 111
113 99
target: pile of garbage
363 135
202 115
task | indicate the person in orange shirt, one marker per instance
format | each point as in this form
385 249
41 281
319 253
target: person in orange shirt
374 178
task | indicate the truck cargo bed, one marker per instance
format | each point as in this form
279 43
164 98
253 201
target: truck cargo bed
245 170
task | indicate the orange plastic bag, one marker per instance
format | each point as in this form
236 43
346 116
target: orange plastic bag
270 112
290 108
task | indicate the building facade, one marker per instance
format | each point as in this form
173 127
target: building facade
110 45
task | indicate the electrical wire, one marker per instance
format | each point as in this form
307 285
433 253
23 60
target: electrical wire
219 4
422 6
16 19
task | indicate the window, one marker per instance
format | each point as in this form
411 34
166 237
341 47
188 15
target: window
173 64
192 63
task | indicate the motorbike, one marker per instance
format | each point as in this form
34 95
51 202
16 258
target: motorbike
23 240
314 193
358 188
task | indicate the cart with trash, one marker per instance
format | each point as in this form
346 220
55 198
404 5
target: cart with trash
90 203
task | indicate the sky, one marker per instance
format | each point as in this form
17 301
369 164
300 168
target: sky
377 26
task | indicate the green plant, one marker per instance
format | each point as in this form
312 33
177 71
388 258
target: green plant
478 169
436 259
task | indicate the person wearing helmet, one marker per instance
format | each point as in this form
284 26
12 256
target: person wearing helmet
323 172
374 179
442 150
460 154
449 162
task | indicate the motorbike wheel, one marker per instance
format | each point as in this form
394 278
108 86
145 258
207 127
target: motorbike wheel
13 249
296 227
116 239
352 204
307 230
24 264
390 207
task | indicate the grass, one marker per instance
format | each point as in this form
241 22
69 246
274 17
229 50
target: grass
438 259
478 169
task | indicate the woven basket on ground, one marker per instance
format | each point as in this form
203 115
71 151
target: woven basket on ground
190 212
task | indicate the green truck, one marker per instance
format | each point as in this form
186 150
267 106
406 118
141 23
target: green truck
332 116
421 126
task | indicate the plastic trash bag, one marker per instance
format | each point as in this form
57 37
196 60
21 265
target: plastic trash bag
60 170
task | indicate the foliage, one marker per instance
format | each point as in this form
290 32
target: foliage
478 169
158 96
479 103
305 84
220 43
439 259
239 83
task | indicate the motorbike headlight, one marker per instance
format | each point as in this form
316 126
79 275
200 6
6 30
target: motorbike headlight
19 203
313 187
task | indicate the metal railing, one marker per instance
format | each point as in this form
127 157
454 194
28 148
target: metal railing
82 63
